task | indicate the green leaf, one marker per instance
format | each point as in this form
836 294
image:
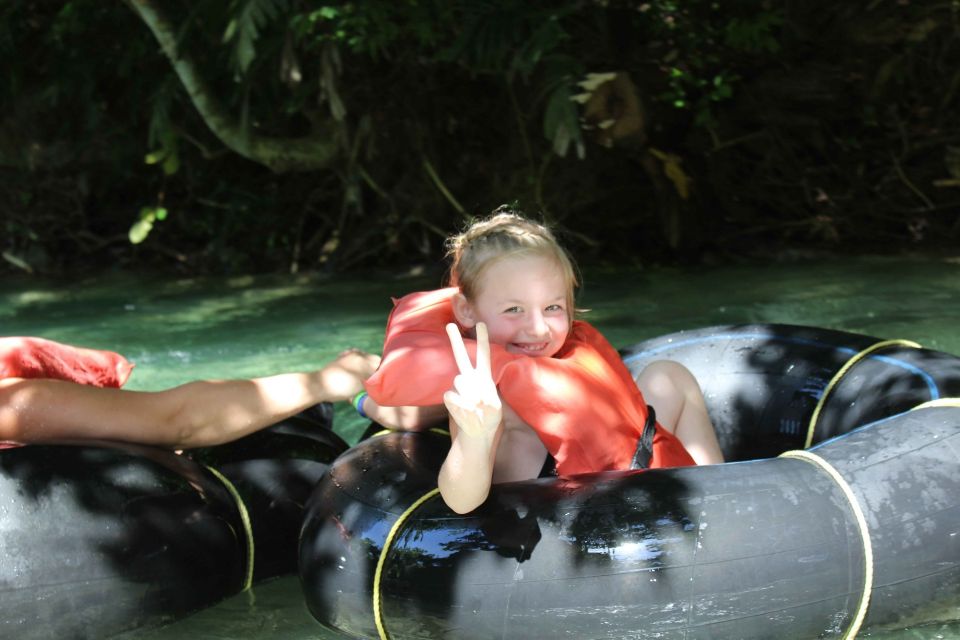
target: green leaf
561 124
244 28
155 157
142 227
230 31
171 164
140 230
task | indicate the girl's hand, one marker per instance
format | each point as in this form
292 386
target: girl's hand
473 403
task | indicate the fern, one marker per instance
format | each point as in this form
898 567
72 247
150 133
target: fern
249 17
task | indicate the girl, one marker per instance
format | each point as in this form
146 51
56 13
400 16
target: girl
546 389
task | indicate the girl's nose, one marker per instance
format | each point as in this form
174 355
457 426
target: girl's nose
537 325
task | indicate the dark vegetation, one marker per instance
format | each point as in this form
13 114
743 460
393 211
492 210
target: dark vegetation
279 135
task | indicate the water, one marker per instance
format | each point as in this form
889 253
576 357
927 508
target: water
181 329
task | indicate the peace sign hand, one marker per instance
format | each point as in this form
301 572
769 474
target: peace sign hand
473 403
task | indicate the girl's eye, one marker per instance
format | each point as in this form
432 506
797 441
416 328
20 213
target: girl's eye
555 307
512 310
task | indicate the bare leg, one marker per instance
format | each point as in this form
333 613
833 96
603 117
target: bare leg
676 396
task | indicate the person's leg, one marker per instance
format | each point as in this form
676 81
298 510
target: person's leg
675 395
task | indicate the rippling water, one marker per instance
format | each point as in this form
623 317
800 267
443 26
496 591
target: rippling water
181 329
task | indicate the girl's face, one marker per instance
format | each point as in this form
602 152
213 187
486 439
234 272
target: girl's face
523 301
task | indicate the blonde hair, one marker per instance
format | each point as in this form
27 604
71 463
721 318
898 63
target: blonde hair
504 234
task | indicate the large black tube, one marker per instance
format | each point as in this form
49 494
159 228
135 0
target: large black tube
101 538
97 537
763 382
859 531
274 471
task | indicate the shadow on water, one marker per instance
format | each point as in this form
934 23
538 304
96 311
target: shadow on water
209 328
192 312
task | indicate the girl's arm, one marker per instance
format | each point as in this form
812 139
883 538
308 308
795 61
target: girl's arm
404 418
195 414
514 453
467 471
476 424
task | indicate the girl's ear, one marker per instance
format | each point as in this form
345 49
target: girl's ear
463 311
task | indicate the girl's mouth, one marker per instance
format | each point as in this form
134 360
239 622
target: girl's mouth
529 348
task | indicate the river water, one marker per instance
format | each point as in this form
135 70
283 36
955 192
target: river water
181 329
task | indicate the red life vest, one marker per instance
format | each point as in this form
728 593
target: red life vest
40 358
582 402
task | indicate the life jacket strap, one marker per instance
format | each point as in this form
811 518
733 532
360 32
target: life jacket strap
644 452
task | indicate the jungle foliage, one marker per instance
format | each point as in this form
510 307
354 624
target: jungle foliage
269 135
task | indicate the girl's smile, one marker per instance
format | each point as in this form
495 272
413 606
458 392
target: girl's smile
523 301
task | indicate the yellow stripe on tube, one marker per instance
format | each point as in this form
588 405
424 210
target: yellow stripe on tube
245 519
839 376
394 530
861 519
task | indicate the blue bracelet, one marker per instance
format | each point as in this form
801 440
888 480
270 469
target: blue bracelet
358 404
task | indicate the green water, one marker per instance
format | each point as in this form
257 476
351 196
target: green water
177 330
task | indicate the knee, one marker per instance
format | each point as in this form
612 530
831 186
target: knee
666 378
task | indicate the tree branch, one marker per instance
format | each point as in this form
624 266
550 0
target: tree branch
317 151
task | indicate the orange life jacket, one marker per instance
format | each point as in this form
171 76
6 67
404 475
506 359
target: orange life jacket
582 402
22 357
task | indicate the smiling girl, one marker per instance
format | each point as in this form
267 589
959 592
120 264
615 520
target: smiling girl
547 391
